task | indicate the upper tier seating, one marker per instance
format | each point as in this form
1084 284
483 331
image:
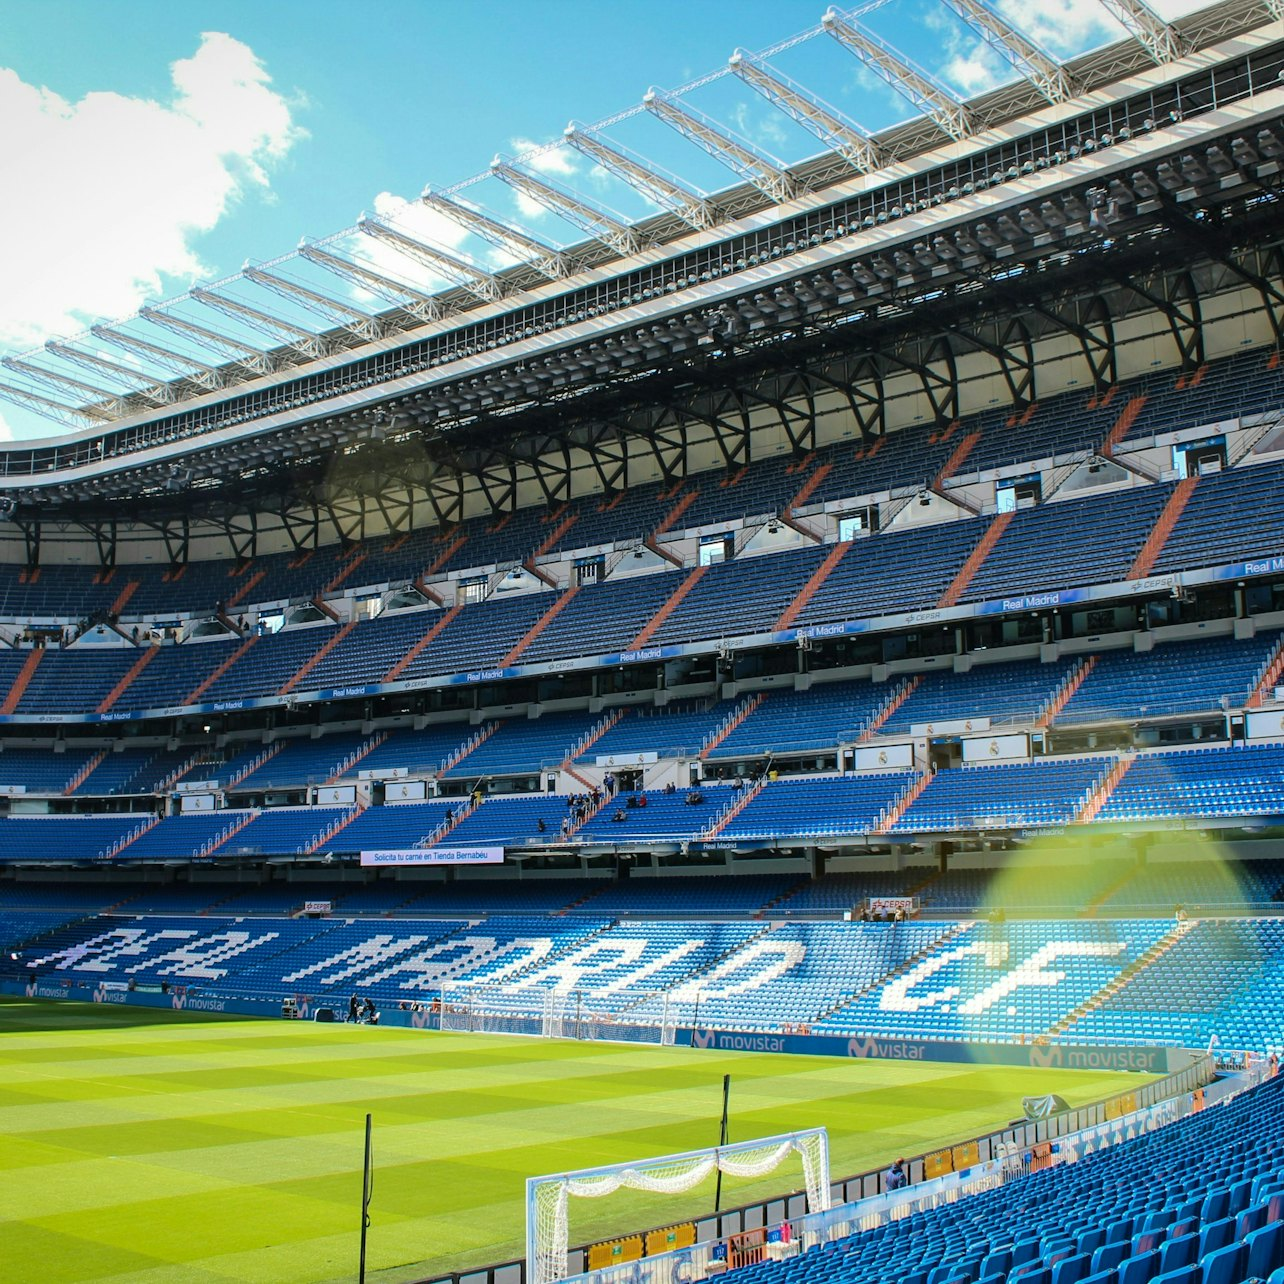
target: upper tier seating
1016 692
63 838
1243 780
1178 677
825 805
665 817
1019 795
525 744
819 718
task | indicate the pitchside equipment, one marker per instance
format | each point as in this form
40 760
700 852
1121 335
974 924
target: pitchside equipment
548 1198
618 1017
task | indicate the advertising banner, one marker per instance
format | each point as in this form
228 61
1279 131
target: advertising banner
435 856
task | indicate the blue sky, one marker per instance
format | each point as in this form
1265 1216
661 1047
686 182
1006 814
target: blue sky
153 144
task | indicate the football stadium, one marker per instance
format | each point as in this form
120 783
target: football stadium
744 738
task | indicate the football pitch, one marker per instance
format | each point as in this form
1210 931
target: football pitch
176 1147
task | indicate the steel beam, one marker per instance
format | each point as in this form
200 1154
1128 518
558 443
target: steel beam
1159 39
477 282
158 393
606 227
908 79
544 258
347 314
420 305
305 341
188 367
765 172
255 358
833 129
666 192
1043 71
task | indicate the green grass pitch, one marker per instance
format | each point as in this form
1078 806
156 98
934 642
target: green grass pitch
173 1147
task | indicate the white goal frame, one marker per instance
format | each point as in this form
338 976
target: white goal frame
548 1197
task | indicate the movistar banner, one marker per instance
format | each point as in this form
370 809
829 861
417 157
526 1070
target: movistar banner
1051 1056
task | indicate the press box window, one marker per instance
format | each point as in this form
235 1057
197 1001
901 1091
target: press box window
714 548
470 591
864 521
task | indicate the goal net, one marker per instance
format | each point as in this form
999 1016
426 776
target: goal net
619 1016
548 1198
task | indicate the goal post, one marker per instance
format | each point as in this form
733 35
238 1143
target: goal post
548 1198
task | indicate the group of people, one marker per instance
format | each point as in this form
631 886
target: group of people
362 1011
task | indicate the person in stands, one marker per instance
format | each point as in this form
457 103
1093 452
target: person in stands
895 1178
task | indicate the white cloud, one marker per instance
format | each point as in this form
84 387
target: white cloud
7 432
101 200
421 223
1063 26
556 162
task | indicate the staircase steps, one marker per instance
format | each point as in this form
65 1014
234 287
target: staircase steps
1127 417
316 657
809 486
812 587
244 591
199 690
483 735
1100 796
975 559
343 823
540 625
351 566
443 621
446 554
1185 382
899 970
1267 683
20 682
672 517
1068 688
152 822
265 757
149 653
745 709
1117 983
550 541
1158 536
85 772
611 719
122 598
210 848
364 751
893 703
667 607
747 795
967 443
1130 872
892 816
